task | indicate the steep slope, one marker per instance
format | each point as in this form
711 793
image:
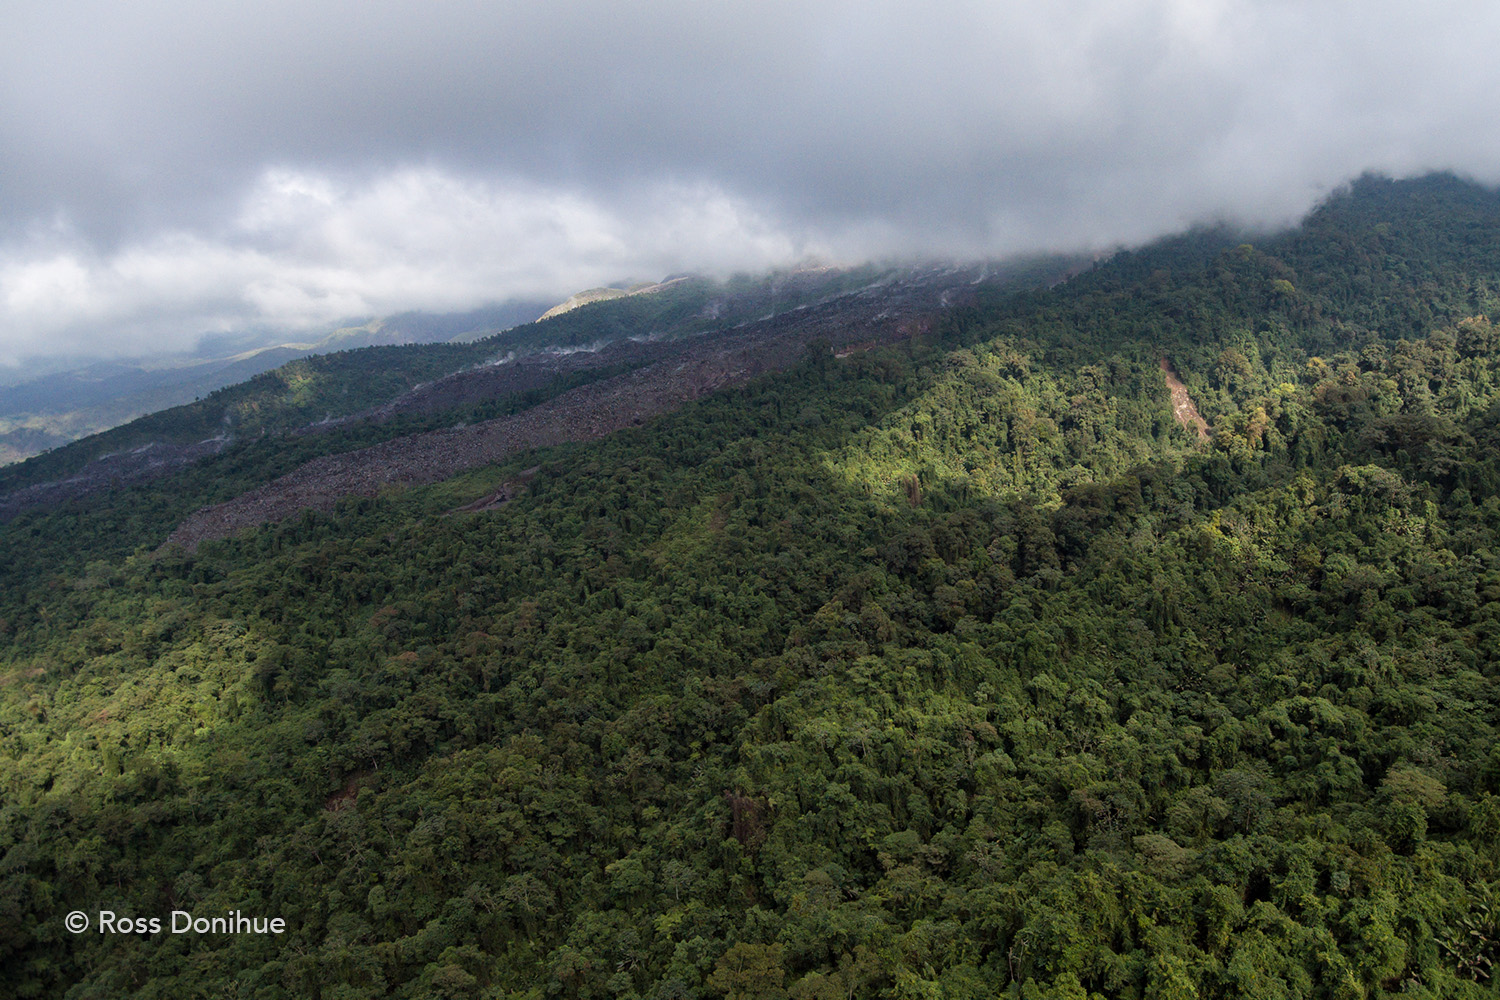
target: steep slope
358 391
687 369
951 667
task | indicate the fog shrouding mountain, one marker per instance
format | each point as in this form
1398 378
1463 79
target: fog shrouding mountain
176 168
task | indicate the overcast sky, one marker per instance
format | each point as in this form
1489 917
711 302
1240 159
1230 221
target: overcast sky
170 167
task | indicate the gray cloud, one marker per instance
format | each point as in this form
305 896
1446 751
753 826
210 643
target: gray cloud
454 152
305 250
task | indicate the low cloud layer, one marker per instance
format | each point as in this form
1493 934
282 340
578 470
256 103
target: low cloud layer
304 250
177 167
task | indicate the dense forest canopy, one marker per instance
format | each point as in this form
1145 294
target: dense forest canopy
959 668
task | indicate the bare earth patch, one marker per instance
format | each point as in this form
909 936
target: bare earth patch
1183 407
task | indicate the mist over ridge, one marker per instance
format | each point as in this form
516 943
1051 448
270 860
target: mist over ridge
179 169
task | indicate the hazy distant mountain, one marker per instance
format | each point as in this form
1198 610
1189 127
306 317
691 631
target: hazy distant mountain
70 401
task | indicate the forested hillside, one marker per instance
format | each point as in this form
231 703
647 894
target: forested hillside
957 668
345 382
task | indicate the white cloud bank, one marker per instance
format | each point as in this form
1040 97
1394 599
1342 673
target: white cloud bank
306 249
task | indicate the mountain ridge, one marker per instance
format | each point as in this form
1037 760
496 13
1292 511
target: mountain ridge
253 407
